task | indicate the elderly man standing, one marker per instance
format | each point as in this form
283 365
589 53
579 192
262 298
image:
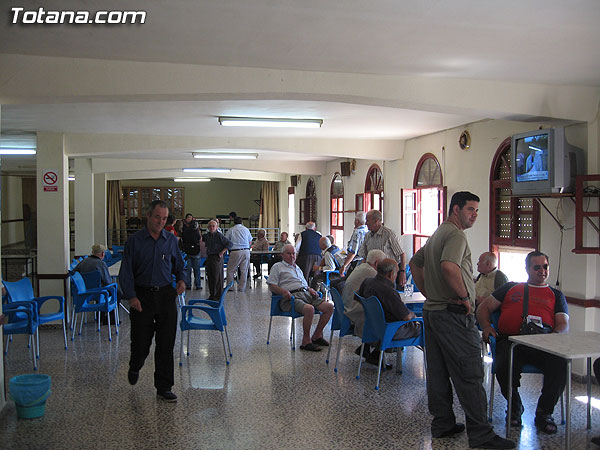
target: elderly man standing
216 246
150 259
490 278
287 279
543 304
383 238
356 240
239 253
309 251
95 262
352 307
442 270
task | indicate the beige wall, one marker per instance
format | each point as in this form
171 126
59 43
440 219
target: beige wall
12 208
220 196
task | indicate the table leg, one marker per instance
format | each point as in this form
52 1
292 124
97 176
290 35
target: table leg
568 406
510 378
589 393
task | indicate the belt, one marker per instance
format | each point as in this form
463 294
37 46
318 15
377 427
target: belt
302 289
152 288
238 249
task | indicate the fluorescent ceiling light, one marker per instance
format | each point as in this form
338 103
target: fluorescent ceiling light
71 177
269 122
198 180
17 151
224 155
207 170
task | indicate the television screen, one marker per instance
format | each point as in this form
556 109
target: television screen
532 158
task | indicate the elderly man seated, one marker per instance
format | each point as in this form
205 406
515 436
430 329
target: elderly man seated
287 280
95 262
383 286
490 278
278 247
352 307
520 303
328 263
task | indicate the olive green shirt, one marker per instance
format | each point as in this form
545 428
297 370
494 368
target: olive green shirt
448 243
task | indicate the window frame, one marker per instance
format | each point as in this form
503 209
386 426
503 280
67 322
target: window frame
336 205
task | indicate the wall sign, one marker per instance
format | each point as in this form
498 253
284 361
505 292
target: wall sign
50 180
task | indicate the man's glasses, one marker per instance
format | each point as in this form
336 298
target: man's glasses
540 266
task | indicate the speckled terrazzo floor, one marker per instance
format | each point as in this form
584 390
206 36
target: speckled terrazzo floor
269 397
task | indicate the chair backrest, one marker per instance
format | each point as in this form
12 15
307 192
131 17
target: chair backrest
374 328
77 283
92 279
19 291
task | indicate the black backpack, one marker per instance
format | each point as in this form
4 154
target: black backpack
191 241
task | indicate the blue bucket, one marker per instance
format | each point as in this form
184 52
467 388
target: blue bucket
29 392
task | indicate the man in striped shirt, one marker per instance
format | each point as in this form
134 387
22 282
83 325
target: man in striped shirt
384 239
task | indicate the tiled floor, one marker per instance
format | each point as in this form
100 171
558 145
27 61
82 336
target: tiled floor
268 397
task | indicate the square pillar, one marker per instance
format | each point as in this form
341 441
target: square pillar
52 212
100 209
84 206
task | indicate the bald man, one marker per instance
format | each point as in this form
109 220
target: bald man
490 278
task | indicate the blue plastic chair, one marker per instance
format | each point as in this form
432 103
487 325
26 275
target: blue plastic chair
93 280
495 317
293 314
22 319
91 300
339 322
215 310
376 329
22 291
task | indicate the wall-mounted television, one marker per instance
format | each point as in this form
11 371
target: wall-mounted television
543 162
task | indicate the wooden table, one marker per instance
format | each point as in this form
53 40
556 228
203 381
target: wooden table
570 346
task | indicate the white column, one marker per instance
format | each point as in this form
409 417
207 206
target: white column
52 212
100 208
84 206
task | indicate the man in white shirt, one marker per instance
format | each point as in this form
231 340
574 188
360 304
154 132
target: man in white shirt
239 254
287 280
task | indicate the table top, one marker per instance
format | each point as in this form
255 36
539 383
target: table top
114 269
571 345
265 252
416 297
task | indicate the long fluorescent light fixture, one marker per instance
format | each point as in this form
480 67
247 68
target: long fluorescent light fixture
269 122
207 170
17 151
71 177
224 155
190 179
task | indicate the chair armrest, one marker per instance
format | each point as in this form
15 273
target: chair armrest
212 303
29 307
41 300
187 311
392 327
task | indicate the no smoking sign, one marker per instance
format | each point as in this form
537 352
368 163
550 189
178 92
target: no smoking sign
50 181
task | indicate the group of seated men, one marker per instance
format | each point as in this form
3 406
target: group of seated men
377 276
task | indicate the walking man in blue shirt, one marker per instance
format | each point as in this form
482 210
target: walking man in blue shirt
150 259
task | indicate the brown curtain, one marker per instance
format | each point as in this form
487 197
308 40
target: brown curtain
269 209
116 222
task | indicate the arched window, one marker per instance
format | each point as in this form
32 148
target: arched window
424 206
514 221
337 208
308 205
373 196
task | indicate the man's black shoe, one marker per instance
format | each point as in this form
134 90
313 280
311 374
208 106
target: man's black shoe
457 428
132 376
373 359
496 442
366 351
167 396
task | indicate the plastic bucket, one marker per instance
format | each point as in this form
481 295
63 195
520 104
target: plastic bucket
29 392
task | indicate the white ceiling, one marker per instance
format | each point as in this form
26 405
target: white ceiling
535 41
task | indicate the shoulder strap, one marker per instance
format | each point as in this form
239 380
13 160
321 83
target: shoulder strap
525 301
